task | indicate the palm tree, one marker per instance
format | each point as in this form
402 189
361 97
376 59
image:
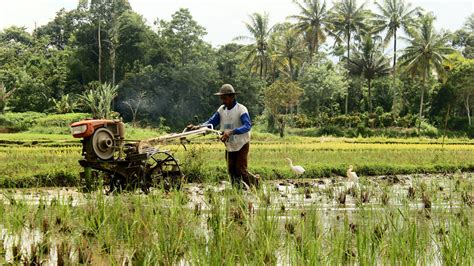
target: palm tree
257 55
313 23
348 18
395 15
369 61
287 50
425 53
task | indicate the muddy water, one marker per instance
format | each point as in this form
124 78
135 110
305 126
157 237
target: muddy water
292 193
21 247
324 193
331 196
64 195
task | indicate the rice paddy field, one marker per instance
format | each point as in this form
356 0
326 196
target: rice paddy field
412 205
31 160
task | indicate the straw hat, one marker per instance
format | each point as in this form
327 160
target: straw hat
226 89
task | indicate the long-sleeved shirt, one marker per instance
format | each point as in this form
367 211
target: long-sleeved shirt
215 119
235 118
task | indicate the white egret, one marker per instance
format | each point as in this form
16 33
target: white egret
298 170
351 174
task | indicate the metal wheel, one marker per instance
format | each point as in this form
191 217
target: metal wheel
164 171
103 143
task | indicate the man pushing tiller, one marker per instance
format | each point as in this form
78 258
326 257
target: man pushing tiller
233 118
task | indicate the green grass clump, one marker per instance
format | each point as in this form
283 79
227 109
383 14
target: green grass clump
14 122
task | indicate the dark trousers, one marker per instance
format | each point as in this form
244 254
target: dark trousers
237 166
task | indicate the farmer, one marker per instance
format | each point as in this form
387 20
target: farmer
233 118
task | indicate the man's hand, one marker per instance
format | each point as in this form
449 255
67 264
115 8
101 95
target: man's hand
192 127
227 133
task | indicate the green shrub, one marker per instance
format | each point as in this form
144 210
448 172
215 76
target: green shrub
363 131
61 120
98 99
428 130
378 110
49 130
346 120
470 132
302 121
351 133
39 122
65 104
330 131
386 120
406 121
458 123
19 121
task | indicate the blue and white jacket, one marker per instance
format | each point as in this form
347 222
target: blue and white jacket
236 119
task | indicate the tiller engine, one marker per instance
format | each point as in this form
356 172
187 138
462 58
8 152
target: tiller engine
128 164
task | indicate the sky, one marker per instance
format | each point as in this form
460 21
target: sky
223 19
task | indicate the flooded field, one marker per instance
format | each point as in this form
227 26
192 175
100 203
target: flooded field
413 219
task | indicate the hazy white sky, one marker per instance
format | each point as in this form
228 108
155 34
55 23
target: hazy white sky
222 18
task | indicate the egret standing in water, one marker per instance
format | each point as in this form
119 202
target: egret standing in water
298 170
351 174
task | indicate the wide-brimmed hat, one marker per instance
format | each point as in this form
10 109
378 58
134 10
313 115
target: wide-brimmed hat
226 89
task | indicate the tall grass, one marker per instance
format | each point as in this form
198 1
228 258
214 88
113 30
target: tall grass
235 227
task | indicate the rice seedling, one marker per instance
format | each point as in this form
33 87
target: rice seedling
385 198
411 193
233 227
426 201
341 198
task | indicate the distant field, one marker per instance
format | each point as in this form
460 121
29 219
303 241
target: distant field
29 137
41 159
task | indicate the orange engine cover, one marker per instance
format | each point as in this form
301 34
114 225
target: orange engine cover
86 128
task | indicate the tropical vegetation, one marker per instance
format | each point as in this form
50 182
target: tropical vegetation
163 74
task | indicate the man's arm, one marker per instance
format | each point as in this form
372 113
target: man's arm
246 125
214 120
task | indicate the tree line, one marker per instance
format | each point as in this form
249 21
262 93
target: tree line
326 65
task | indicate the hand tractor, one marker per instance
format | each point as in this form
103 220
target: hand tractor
129 164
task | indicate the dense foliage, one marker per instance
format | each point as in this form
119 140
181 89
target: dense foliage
164 74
